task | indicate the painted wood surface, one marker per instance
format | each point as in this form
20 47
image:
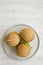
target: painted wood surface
28 12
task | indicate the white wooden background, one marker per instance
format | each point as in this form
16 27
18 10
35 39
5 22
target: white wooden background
28 12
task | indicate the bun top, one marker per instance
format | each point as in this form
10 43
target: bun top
27 34
13 39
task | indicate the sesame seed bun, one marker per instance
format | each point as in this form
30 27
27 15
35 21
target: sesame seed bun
23 50
13 39
27 34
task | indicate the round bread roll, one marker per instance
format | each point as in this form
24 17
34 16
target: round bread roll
27 34
13 39
23 50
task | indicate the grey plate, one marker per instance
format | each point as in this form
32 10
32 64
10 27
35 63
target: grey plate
11 52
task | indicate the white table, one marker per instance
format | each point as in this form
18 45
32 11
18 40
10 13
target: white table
28 12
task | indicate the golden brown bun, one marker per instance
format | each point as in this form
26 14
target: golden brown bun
13 39
23 50
27 34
